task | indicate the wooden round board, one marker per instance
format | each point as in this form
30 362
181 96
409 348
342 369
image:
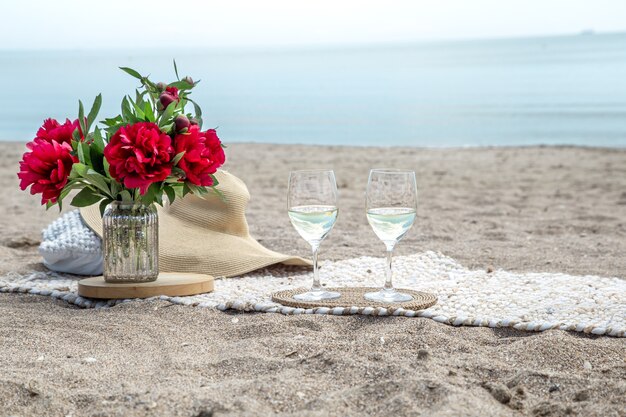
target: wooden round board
172 284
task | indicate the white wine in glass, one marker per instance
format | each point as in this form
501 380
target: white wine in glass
312 208
391 209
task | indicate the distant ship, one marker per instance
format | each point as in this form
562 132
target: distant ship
587 32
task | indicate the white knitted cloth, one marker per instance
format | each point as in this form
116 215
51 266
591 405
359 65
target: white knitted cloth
70 246
524 301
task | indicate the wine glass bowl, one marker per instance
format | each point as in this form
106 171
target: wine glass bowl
312 209
391 207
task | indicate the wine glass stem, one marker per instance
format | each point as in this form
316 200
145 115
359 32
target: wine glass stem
388 281
316 274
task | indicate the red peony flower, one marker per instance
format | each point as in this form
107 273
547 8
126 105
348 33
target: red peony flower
139 155
203 155
53 130
169 96
45 168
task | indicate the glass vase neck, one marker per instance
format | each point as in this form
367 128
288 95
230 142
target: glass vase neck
130 205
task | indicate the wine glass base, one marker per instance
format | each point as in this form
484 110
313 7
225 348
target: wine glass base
317 295
388 296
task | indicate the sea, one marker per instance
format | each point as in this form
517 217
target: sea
564 90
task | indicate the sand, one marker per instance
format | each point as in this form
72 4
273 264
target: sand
521 209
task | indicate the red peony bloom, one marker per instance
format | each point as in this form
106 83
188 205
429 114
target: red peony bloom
203 155
169 96
53 130
46 167
139 155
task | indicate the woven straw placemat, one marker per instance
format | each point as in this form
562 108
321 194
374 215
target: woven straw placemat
353 297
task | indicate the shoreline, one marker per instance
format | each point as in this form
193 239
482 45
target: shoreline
405 147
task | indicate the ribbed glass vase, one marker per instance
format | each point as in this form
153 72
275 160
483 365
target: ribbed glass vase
131 242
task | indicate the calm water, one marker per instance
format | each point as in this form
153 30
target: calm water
561 90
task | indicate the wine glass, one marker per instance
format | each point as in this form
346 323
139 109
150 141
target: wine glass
391 209
312 204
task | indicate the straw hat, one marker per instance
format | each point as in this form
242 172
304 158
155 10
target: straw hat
207 235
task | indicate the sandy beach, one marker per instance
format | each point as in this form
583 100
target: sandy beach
521 209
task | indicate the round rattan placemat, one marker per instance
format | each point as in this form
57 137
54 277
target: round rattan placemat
353 297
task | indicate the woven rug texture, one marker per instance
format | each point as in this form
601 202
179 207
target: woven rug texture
524 301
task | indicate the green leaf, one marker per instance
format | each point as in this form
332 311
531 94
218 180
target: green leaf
93 113
113 121
71 185
176 70
171 194
127 114
158 197
115 189
86 197
179 172
81 154
107 168
81 117
98 141
132 72
139 97
148 112
178 189
75 137
177 158
103 206
197 190
138 110
166 117
167 128
146 82
113 129
186 189
97 180
126 197
151 194
97 160
196 108
78 170
84 155
182 84
64 192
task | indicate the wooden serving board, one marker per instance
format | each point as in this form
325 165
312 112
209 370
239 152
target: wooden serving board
172 284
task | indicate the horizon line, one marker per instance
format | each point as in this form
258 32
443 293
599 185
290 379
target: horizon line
326 45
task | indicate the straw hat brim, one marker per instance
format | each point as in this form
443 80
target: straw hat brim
207 235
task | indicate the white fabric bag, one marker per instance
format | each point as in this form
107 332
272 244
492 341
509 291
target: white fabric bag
70 246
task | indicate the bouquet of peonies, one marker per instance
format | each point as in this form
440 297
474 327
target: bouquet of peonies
152 148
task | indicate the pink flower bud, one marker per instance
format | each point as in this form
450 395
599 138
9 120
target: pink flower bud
168 96
182 122
166 99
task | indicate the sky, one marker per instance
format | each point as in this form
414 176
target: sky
72 24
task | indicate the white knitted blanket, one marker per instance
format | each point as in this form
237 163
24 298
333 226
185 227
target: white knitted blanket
524 301
69 245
